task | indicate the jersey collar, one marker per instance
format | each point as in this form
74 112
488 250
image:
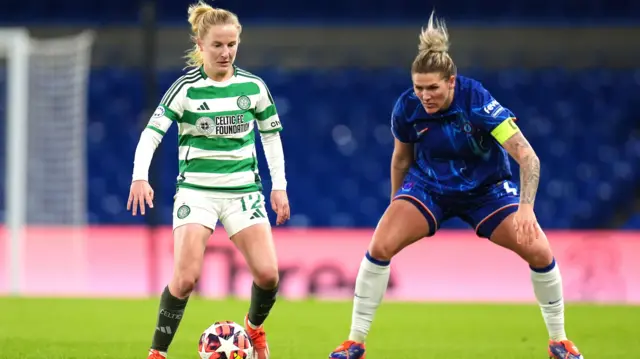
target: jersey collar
204 74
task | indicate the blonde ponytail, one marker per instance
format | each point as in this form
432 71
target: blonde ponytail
202 17
433 49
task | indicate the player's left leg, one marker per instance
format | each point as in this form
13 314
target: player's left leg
547 284
493 219
245 220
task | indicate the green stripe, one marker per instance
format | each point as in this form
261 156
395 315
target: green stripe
233 90
248 74
248 188
202 165
156 129
170 114
189 75
173 95
268 112
217 144
191 117
168 103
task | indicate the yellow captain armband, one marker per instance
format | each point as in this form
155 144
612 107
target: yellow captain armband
505 130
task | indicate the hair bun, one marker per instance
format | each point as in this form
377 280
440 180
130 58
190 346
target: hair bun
435 37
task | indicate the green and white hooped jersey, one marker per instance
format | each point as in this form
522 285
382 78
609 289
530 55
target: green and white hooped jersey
216 123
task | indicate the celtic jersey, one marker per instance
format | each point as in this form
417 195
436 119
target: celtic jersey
216 123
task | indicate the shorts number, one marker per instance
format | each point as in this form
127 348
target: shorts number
510 190
255 205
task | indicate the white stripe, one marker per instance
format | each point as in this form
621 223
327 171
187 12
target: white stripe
220 179
161 123
266 124
189 129
241 154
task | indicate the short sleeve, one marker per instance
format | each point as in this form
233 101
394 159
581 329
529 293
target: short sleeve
399 125
490 115
266 113
170 108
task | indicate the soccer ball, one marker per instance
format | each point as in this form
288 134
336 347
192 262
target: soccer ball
225 340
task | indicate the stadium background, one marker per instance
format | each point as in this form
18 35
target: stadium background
569 69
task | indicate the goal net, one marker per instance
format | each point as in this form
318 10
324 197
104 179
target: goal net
43 115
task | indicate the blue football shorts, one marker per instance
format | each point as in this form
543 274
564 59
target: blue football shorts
483 209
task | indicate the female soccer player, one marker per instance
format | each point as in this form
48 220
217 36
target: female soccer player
460 169
216 105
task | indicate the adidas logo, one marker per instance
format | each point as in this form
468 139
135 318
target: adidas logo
165 329
203 107
257 214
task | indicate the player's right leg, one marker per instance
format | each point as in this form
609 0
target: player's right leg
411 216
194 218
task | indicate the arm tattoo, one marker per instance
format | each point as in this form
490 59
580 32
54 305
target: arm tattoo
521 150
529 178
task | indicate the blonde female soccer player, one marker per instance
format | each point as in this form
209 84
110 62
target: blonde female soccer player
216 106
462 138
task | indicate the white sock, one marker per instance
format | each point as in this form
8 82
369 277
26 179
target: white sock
371 285
547 286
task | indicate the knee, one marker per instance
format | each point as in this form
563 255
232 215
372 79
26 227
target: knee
184 282
382 250
266 277
539 256
189 242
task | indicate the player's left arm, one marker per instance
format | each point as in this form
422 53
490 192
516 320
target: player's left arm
500 122
511 138
269 126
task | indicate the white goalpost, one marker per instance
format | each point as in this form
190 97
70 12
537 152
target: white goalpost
45 145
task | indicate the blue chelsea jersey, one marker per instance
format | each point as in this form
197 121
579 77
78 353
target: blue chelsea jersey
457 150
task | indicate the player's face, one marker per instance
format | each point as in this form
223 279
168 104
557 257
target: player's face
434 91
219 48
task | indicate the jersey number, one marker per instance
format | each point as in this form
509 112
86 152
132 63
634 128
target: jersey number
255 205
510 189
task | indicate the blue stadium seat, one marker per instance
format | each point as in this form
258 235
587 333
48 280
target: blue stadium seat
338 143
338 150
633 223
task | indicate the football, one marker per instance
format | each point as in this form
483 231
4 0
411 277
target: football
225 340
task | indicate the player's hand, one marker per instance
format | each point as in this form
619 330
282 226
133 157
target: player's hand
139 193
527 230
280 205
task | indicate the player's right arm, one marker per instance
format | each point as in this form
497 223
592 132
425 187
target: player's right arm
403 155
168 111
401 161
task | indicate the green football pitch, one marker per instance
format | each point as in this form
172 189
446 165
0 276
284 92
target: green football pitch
122 329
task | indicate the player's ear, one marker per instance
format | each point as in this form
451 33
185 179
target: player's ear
452 81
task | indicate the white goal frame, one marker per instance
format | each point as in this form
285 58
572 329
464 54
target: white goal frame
14 46
19 49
